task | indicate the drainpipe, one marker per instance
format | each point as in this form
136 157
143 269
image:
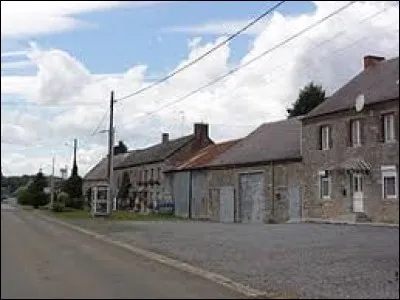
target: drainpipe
190 194
273 189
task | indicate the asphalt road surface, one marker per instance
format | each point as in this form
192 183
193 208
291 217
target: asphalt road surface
44 260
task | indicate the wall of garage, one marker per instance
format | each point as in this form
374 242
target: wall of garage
269 192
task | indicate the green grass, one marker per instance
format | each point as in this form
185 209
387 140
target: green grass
116 215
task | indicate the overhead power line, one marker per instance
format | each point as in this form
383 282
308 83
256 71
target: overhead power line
157 82
236 69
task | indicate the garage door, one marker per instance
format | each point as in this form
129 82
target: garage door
252 198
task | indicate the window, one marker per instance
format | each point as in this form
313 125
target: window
324 185
146 175
388 127
389 182
355 133
325 137
158 173
152 174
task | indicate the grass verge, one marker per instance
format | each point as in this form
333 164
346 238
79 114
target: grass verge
116 216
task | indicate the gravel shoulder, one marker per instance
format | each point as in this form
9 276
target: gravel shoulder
308 260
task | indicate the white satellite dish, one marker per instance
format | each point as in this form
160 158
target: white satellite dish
360 102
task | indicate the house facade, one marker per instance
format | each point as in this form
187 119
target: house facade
350 148
188 185
146 166
258 179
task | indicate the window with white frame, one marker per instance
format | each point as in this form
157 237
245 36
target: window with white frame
356 133
324 185
388 127
389 182
325 137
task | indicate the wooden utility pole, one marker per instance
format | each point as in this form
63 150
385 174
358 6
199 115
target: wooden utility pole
52 185
110 156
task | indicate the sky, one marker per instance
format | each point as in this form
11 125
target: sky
60 60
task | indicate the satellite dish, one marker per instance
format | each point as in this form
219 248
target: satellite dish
360 102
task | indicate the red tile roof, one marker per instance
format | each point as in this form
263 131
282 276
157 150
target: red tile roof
207 154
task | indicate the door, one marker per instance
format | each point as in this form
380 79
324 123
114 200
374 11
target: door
294 203
252 197
358 197
180 193
227 204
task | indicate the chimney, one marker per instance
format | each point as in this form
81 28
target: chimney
201 131
165 137
371 61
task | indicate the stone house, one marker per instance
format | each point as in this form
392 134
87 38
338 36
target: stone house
146 166
98 175
188 184
350 147
257 180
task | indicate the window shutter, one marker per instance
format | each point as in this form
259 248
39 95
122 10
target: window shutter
396 126
381 133
330 130
349 132
319 146
362 131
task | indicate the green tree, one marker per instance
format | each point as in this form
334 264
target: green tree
309 97
125 185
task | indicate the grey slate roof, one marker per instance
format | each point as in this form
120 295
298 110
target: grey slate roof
99 171
155 153
377 83
271 141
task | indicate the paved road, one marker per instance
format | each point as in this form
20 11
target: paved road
311 260
43 260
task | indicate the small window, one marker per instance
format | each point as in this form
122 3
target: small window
158 173
146 174
388 127
356 133
389 182
325 137
152 174
324 185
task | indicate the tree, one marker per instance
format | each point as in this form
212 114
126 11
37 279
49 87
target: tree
125 185
309 97
36 191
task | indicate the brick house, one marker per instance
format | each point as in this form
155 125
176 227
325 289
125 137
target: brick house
350 148
146 166
257 180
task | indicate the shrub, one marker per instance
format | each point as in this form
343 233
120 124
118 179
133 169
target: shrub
24 196
58 207
62 198
40 199
76 203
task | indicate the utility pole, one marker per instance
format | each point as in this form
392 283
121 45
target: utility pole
110 156
52 185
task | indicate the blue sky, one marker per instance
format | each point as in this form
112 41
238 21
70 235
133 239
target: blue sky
122 37
53 54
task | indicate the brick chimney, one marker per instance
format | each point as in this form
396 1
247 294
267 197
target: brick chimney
165 137
371 61
201 131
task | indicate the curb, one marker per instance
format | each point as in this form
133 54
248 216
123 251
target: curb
182 266
350 223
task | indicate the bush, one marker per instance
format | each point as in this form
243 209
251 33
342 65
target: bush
58 207
76 203
24 196
40 199
62 198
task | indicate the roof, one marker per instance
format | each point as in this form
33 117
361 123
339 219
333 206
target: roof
99 171
155 153
377 83
271 141
205 155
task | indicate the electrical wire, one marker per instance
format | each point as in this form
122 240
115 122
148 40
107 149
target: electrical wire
184 67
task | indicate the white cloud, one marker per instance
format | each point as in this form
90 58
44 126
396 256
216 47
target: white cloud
222 27
330 54
31 18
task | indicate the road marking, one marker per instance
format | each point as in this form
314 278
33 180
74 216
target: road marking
182 266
